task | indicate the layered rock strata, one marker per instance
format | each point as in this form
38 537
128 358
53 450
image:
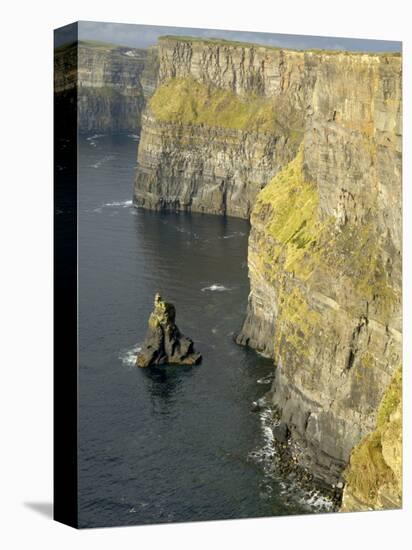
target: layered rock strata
164 343
110 96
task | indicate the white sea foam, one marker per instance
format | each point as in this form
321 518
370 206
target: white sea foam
122 204
128 356
134 137
292 491
232 235
114 204
215 288
103 160
265 379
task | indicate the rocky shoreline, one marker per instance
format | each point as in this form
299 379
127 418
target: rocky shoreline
286 456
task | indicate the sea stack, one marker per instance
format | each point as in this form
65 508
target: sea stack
164 343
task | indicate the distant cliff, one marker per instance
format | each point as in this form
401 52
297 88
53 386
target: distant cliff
308 144
113 83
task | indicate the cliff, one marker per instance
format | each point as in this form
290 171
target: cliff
113 83
325 265
223 119
309 145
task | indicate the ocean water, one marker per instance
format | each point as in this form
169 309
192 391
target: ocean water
173 443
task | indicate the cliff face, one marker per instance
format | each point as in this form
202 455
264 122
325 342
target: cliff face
309 144
110 97
325 265
113 84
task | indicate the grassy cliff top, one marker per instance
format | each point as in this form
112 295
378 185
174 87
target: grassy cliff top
98 45
236 43
95 44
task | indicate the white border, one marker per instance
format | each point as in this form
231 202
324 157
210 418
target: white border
26 269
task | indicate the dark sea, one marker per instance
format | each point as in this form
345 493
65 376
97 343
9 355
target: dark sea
172 443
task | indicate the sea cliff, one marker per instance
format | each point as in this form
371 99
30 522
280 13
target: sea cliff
112 82
308 145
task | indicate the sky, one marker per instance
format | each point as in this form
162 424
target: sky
142 36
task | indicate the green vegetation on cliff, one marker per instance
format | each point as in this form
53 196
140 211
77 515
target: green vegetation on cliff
299 242
290 204
287 209
391 400
187 101
215 42
298 249
373 476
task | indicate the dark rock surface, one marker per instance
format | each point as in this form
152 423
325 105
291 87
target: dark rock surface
164 343
281 432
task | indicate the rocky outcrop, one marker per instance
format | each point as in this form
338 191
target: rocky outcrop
309 145
374 475
164 343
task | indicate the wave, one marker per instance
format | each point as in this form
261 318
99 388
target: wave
114 204
107 158
266 379
128 356
94 137
232 235
134 137
215 288
123 204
